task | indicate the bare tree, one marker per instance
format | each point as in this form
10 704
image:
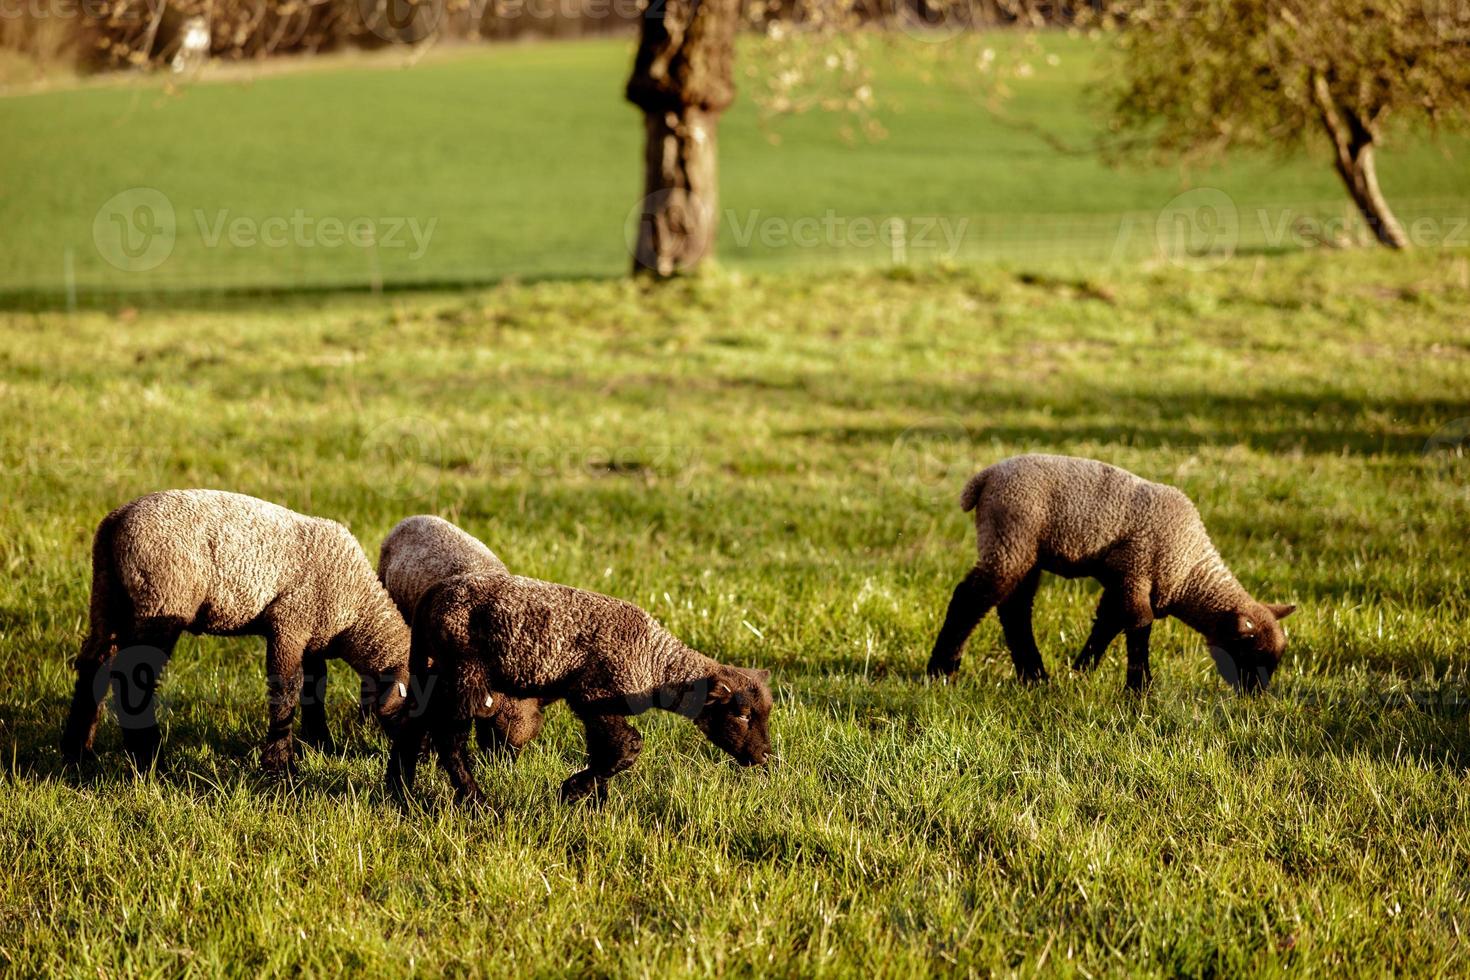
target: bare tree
1195 77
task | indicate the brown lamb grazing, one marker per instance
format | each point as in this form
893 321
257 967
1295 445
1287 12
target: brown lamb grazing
1143 541
607 658
211 562
419 553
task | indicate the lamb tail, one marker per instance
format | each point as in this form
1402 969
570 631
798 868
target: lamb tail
970 496
109 601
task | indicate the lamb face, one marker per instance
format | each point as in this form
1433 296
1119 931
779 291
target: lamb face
1249 646
736 714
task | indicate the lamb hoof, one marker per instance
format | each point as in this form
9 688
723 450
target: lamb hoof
400 791
941 670
79 756
473 801
582 786
278 760
141 749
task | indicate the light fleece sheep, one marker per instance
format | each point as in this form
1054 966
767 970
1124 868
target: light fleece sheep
1143 541
424 550
607 658
207 561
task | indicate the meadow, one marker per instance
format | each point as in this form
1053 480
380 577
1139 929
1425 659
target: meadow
769 463
477 164
767 457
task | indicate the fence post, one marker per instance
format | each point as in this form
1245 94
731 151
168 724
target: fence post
897 241
69 276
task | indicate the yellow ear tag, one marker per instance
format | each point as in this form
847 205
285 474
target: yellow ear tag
489 700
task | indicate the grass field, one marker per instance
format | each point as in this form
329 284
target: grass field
523 161
769 464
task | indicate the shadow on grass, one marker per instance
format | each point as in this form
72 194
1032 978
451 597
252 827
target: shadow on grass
33 731
1283 422
191 298
1425 725
1428 723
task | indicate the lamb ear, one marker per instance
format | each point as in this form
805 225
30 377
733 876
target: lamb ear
1281 610
719 692
762 675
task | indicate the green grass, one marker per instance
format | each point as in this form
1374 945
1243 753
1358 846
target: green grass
523 161
769 464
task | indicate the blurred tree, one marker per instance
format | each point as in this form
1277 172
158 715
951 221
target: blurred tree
810 55
682 80
1195 77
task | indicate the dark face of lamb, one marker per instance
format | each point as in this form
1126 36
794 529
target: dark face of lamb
1250 647
737 713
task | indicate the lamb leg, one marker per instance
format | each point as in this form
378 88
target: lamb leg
451 739
283 677
135 674
613 745
1106 626
406 746
1139 676
971 600
314 728
1015 622
86 700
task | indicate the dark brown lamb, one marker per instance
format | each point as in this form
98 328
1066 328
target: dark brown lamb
1143 541
607 658
207 561
419 553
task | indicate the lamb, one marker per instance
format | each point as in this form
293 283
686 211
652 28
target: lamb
211 562
607 658
422 551
1143 541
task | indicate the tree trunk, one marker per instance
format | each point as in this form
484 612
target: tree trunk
679 219
682 81
1353 143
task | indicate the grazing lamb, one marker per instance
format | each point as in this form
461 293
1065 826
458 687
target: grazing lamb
1143 541
207 561
424 550
607 658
